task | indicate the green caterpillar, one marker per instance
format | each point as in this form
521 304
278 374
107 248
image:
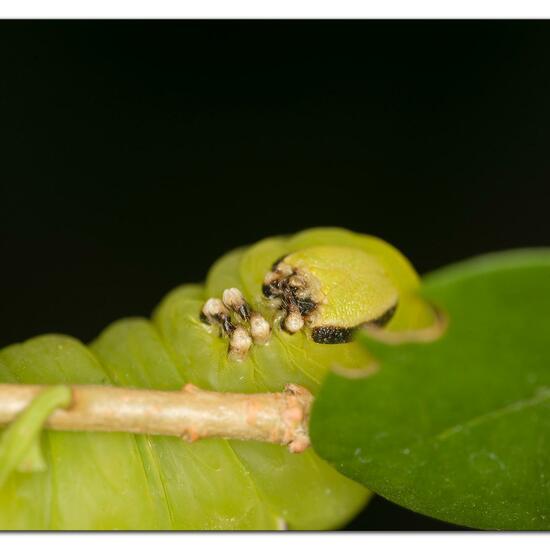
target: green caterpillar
280 311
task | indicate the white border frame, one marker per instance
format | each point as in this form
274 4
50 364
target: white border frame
269 9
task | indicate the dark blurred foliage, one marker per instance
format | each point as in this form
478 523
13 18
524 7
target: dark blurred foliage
135 153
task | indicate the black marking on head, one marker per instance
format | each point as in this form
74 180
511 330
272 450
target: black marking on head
340 335
291 291
332 335
224 322
385 318
227 325
306 305
268 291
244 312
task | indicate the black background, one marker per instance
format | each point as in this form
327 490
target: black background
135 153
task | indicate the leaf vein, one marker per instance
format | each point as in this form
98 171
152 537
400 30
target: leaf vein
542 395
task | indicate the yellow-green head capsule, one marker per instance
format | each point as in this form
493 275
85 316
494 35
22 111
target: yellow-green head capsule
332 290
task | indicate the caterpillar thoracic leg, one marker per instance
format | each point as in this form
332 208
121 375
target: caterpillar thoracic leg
238 321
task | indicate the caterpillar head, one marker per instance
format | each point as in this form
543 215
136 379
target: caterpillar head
327 291
330 291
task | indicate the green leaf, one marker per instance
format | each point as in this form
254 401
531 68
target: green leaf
459 428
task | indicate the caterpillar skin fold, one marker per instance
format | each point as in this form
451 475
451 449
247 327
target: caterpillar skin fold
280 311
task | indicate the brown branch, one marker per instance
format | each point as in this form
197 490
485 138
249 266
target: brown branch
191 413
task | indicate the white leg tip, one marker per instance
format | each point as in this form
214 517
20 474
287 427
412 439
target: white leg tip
259 328
239 344
293 322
